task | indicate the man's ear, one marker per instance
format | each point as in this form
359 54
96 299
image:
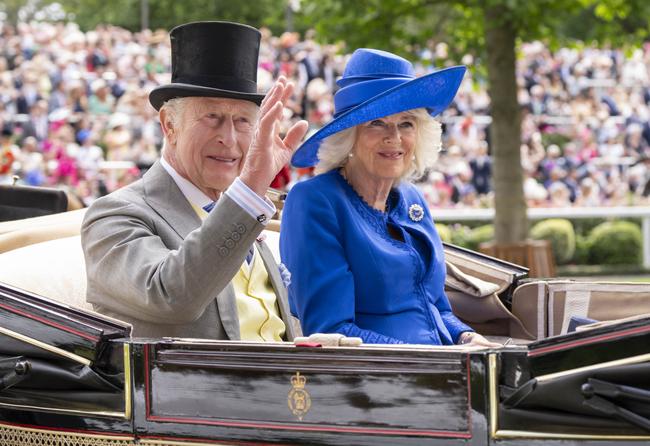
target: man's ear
167 125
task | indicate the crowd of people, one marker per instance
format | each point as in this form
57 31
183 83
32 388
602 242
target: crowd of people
74 113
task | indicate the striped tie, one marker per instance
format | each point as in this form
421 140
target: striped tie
208 207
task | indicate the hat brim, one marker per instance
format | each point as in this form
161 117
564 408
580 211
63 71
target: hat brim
434 91
160 95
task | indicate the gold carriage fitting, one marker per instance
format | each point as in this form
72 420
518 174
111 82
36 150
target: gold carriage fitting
22 436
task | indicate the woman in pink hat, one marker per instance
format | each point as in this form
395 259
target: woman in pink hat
358 239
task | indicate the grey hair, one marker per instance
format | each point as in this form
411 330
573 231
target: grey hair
334 150
175 110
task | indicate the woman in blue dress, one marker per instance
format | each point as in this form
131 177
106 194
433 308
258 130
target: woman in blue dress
358 239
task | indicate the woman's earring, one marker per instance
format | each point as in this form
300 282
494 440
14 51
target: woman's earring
413 158
350 155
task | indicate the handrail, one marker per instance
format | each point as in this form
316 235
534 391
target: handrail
485 214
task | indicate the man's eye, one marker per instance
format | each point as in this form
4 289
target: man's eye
243 124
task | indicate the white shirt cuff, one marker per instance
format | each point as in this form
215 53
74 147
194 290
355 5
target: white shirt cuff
260 208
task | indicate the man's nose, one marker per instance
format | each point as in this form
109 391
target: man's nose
226 133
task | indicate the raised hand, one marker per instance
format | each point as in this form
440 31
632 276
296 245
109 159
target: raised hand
269 152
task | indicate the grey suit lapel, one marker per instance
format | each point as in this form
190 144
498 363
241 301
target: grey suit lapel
166 199
278 286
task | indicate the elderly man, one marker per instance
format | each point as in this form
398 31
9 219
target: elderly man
172 253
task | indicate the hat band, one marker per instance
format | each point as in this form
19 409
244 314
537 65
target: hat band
358 93
348 80
219 82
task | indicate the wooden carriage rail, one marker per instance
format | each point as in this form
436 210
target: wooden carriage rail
642 212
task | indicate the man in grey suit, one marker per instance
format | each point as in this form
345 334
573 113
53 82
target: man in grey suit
171 253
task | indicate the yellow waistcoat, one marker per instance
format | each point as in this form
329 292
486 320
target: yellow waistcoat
259 318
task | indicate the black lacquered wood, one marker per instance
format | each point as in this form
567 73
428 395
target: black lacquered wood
358 396
237 393
56 324
590 347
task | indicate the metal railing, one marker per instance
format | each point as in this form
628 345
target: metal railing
642 212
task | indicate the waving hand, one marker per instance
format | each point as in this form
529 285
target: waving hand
269 152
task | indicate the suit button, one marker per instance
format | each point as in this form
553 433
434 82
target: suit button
240 228
229 244
223 251
235 236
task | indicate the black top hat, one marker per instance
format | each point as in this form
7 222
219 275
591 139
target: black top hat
212 59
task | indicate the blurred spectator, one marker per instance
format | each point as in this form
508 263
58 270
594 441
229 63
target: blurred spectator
481 166
74 114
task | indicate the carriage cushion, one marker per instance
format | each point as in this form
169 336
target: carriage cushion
53 269
56 269
530 305
546 307
604 301
44 221
18 233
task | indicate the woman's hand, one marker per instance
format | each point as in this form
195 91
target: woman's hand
473 339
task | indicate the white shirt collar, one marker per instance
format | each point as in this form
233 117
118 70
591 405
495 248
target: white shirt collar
189 190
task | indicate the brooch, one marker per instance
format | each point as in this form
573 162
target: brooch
416 213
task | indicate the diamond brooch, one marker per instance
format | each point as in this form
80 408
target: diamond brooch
416 213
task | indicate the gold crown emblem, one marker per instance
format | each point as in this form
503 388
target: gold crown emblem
298 381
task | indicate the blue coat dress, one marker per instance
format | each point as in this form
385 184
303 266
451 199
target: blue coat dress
349 276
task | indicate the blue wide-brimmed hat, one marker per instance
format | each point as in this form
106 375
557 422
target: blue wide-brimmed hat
376 84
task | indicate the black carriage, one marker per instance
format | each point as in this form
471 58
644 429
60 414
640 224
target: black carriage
69 376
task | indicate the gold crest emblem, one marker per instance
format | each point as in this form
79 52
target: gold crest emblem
298 399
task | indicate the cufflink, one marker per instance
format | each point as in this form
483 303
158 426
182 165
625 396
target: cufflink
261 218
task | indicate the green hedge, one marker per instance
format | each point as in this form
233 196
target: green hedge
479 235
466 237
460 234
615 243
581 256
444 232
561 235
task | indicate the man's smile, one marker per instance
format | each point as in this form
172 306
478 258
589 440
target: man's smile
223 159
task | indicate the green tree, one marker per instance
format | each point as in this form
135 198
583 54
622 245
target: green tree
491 30
168 13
